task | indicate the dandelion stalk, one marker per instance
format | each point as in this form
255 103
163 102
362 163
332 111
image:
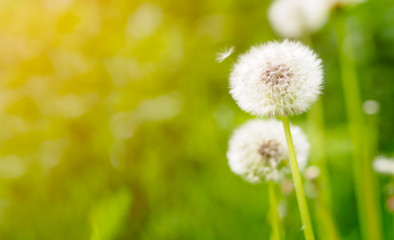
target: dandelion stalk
274 211
302 205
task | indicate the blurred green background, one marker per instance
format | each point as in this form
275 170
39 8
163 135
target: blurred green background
115 118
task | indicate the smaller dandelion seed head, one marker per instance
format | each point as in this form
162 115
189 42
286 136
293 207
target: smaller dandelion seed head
294 18
221 56
276 79
258 151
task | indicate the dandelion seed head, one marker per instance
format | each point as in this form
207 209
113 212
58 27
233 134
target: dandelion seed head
384 165
221 56
294 18
276 79
258 151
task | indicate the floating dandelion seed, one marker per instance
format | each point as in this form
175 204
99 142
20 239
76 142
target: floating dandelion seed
276 79
384 165
221 56
257 150
294 18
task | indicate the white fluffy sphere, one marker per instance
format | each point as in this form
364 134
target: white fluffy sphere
295 18
257 150
276 79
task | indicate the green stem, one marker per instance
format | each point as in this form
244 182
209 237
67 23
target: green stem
365 181
274 211
302 205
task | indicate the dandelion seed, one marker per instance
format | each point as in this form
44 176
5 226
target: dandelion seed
221 56
384 165
276 79
257 151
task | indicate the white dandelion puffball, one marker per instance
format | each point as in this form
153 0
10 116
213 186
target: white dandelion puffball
276 79
384 165
295 18
258 151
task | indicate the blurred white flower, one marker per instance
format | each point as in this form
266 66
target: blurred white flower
258 150
371 107
276 79
384 165
294 18
221 56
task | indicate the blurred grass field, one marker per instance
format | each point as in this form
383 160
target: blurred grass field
115 118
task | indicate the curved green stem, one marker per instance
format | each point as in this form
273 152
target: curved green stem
302 205
274 211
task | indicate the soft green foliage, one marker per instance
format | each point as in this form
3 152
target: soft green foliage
115 119
107 216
